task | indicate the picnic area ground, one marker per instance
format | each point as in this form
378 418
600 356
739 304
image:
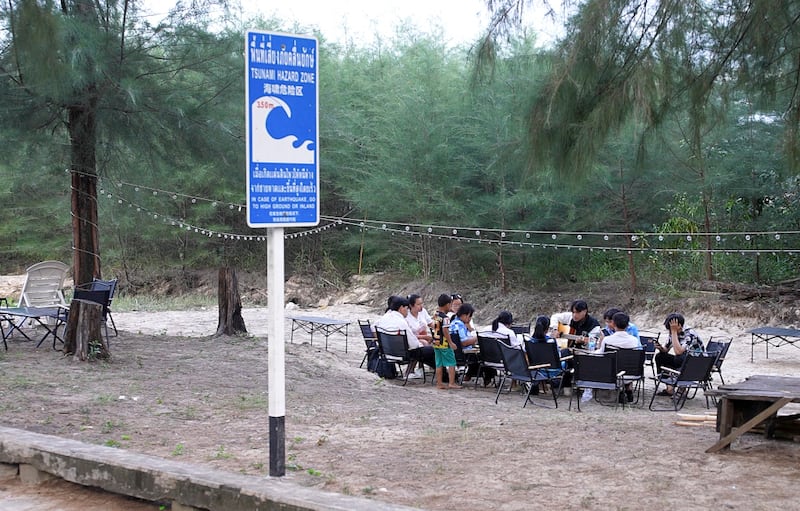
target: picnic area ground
174 391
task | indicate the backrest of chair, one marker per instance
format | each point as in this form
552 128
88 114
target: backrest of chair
393 344
99 297
719 345
514 360
596 367
105 285
366 329
648 340
543 353
461 359
696 368
521 328
630 360
489 349
43 285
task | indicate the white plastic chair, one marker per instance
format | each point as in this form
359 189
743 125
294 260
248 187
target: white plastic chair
43 285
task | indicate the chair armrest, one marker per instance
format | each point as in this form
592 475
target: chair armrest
568 357
539 366
620 374
671 370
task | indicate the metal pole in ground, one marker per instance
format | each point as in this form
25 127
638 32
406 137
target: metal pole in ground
276 379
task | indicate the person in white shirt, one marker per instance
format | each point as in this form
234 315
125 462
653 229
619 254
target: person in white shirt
620 338
502 325
420 321
394 320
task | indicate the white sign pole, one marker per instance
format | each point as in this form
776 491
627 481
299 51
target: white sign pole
276 354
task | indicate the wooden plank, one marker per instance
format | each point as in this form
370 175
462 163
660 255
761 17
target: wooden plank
747 426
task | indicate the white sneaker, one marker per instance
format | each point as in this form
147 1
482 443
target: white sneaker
417 374
587 395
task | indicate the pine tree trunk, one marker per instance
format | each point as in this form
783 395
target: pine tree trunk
83 337
230 304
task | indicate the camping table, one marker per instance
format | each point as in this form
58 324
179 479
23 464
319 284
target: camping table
17 316
327 326
773 336
754 401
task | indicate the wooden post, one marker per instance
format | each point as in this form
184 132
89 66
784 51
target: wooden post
83 337
230 304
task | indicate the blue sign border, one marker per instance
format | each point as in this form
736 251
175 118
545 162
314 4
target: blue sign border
282 129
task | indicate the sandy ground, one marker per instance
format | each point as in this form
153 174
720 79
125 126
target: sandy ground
171 390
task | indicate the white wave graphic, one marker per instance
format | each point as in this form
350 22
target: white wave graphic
266 149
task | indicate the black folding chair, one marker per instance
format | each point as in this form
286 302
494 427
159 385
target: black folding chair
596 371
649 340
632 361
490 358
516 368
694 374
718 345
100 297
521 328
393 348
370 340
545 356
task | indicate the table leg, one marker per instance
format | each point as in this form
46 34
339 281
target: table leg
725 442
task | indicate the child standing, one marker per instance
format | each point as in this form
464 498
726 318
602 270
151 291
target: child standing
442 345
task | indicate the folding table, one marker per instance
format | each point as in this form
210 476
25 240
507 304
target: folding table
775 337
17 316
327 326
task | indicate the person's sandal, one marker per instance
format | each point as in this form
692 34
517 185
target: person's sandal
664 393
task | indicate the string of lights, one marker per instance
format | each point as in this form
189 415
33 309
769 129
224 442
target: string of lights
729 242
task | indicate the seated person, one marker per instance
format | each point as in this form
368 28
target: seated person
461 325
682 341
540 329
609 328
394 320
502 326
578 320
418 319
620 338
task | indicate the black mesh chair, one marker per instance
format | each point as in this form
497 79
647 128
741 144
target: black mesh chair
516 368
545 356
694 374
461 358
718 345
649 340
100 297
596 371
393 348
521 328
105 285
490 358
632 361
370 340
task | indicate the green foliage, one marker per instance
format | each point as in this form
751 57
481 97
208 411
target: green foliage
605 133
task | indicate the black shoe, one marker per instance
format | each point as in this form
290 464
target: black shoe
629 395
621 398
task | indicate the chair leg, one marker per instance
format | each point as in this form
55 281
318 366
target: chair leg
113 325
655 393
500 389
